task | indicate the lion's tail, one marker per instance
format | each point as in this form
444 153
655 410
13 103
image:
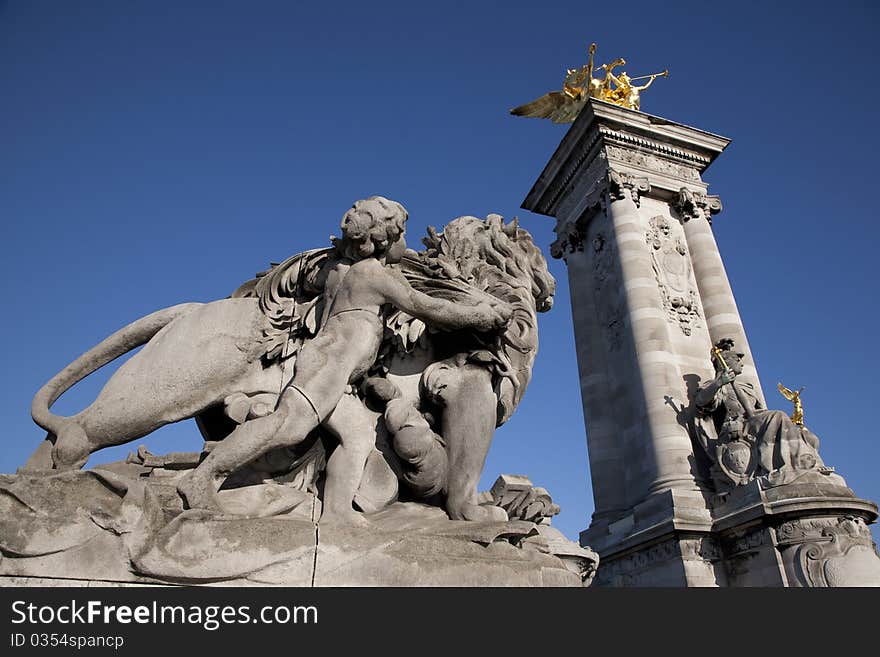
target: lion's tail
124 340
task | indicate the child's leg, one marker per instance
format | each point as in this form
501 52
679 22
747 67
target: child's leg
355 427
288 425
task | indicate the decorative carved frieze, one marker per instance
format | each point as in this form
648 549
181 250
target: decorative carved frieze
810 529
652 163
628 141
628 570
634 568
746 542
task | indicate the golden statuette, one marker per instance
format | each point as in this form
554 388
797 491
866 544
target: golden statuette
580 85
797 416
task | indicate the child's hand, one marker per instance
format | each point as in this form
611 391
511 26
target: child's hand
504 313
490 315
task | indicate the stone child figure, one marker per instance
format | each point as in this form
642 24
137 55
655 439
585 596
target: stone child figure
782 446
360 290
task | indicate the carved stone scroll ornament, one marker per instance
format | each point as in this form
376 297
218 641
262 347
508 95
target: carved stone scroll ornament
829 552
672 269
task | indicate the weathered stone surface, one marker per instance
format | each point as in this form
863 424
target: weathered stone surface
402 549
328 389
138 533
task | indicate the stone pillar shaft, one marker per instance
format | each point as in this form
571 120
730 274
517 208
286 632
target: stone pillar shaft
719 305
664 456
640 326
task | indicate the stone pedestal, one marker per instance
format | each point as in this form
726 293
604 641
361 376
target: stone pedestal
650 297
123 524
804 534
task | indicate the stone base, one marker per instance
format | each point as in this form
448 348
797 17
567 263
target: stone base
99 528
809 533
665 541
307 554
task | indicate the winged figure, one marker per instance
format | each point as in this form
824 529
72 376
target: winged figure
794 397
565 105
557 106
580 85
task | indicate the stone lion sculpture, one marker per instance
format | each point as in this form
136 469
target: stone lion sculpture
446 372
467 385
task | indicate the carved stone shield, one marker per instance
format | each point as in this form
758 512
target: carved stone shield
737 459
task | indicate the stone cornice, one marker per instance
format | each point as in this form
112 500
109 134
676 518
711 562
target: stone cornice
670 152
588 151
658 148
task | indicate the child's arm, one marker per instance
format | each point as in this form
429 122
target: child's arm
439 312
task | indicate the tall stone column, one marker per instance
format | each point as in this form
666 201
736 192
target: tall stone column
664 458
650 297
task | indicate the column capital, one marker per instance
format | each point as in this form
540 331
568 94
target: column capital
691 204
622 186
569 239
611 187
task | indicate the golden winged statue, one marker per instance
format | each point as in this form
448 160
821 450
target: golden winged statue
580 85
797 416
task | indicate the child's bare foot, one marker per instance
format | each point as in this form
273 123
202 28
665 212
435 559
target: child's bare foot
198 493
381 389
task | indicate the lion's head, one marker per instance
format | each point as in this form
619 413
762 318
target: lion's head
476 250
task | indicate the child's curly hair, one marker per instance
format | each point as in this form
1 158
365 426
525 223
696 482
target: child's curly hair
370 227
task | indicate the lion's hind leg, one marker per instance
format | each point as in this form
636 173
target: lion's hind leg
69 450
72 447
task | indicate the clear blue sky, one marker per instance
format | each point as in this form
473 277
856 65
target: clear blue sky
159 152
